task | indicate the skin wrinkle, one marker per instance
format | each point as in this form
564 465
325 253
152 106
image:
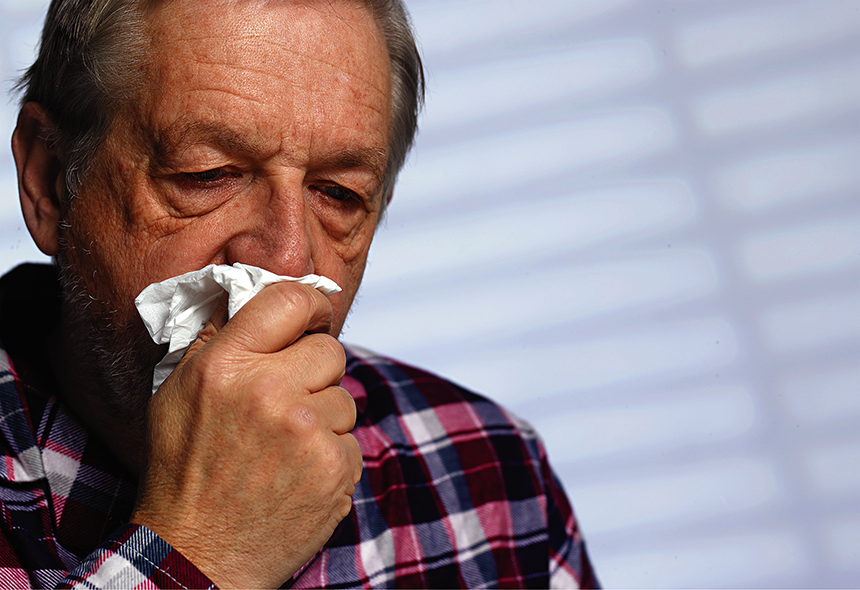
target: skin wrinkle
202 133
261 39
259 101
141 240
243 67
372 159
374 154
340 160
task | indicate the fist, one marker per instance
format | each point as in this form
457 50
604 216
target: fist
250 464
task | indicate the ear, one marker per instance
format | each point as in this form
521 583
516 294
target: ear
41 180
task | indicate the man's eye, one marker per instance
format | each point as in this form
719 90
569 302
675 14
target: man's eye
339 193
207 175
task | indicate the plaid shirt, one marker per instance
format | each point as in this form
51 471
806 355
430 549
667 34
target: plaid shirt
456 492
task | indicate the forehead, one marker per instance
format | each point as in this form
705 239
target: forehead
278 21
261 63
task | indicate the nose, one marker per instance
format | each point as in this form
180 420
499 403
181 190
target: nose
279 231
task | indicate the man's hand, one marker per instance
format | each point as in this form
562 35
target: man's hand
249 462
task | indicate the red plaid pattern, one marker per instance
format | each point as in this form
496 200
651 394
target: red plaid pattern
455 492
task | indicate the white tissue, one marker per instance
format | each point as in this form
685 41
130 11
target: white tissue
174 311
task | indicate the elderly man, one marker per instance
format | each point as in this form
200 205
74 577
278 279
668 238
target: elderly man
156 138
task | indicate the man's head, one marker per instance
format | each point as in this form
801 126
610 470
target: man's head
159 137
89 65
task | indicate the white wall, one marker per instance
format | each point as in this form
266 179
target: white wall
637 224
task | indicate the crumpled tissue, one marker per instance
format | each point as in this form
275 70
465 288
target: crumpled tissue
175 310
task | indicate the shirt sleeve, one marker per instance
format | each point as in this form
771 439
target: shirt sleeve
136 557
569 565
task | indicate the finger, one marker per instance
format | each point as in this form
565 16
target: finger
335 409
213 325
355 457
278 316
314 362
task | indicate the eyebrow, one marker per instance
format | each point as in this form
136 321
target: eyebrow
372 159
175 137
169 141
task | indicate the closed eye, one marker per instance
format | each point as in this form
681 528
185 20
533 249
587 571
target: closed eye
208 176
338 192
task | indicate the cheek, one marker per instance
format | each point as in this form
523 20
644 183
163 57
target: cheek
107 254
103 272
352 258
353 246
349 281
347 225
99 236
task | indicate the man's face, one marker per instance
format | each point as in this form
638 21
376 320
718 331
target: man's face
261 137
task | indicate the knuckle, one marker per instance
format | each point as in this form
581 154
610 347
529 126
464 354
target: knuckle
321 354
345 507
335 457
301 421
328 348
335 349
207 371
263 394
357 459
345 404
293 297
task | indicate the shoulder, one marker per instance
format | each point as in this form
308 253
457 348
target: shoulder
426 409
436 451
386 380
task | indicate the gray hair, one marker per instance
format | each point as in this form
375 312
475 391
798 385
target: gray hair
89 62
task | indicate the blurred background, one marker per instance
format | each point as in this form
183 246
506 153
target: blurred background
637 225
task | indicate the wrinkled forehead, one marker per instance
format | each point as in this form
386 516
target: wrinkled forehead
248 18
242 46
